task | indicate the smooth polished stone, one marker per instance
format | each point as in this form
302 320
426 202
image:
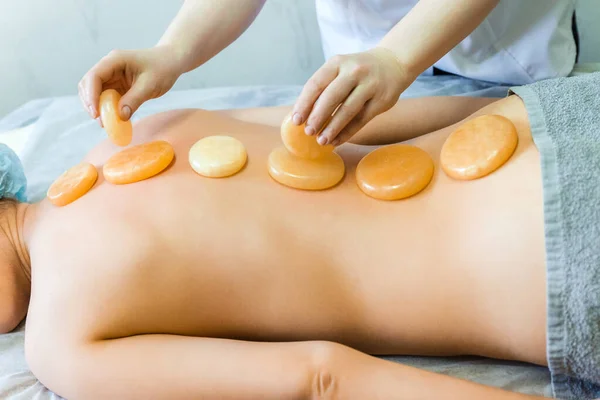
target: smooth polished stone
303 173
120 132
394 172
299 143
73 184
217 156
138 162
479 147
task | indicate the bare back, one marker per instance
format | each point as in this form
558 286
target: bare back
457 269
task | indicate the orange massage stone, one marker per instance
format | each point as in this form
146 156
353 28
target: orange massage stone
304 173
138 162
479 147
119 131
73 184
394 172
299 143
217 156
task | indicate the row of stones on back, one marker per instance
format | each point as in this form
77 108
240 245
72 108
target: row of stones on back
476 149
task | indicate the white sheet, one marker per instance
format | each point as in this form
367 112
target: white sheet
63 133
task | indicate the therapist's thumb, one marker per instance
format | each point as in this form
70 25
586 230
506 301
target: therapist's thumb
141 91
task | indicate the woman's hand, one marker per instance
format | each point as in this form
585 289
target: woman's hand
357 87
138 75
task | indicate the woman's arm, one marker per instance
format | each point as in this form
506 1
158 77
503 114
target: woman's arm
408 119
432 28
349 374
203 28
178 367
350 90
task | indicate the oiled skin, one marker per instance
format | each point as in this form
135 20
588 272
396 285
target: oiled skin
457 269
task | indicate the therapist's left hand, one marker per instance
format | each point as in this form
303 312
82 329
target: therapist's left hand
363 85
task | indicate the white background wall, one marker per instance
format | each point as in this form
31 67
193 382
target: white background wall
47 45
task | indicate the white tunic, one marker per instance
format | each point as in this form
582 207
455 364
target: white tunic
520 42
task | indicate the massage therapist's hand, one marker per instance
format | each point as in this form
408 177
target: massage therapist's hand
138 75
363 85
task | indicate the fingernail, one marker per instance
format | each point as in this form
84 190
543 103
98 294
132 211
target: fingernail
296 119
309 130
91 111
125 112
322 140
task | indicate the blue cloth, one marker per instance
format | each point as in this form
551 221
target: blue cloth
13 184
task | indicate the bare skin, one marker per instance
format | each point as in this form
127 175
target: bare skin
15 268
188 287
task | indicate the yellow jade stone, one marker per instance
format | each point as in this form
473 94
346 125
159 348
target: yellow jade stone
138 162
304 173
217 156
394 172
479 147
73 184
120 132
299 143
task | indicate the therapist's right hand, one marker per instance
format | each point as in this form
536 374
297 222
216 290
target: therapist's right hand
138 75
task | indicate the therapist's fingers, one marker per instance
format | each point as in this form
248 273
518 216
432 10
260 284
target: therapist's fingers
347 112
312 90
144 88
92 83
82 99
327 103
366 114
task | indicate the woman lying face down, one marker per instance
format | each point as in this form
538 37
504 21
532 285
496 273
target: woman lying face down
181 286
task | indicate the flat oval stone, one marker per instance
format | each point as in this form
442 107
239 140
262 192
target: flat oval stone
138 162
303 173
479 147
297 142
217 156
120 132
72 184
394 172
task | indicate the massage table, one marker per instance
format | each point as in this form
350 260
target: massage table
50 135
